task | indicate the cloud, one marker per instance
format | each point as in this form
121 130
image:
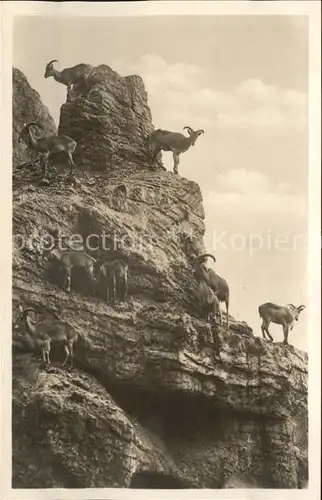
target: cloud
248 201
185 93
242 181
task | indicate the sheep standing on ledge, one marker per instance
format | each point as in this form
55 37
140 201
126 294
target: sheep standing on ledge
113 277
42 334
47 146
281 315
163 140
217 284
67 260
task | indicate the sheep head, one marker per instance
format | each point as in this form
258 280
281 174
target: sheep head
49 68
296 310
202 258
299 309
25 128
24 311
194 134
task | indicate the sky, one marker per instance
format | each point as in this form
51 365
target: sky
243 79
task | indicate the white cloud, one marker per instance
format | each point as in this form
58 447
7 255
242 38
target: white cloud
182 90
256 89
243 181
250 165
249 202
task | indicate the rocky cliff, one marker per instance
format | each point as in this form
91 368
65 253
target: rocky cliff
155 399
27 107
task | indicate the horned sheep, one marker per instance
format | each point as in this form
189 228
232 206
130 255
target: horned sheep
47 146
163 140
217 284
46 332
69 76
113 276
281 315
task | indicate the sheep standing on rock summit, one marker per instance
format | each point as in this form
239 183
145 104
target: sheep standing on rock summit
163 140
69 76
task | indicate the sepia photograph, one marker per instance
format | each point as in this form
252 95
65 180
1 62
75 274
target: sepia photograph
161 309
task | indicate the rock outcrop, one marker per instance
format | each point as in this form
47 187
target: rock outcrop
26 107
110 119
156 399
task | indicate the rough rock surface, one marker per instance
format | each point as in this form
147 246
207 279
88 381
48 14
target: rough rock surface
27 106
110 119
156 399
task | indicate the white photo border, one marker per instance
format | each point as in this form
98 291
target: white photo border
311 8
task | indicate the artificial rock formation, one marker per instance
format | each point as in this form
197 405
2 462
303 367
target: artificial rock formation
110 119
155 400
26 107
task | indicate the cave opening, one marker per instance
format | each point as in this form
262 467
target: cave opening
155 480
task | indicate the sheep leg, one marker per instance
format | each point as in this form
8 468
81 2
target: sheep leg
67 354
71 163
209 332
263 330
91 276
266 325
113 283
211 311
125 287
46 351
285 332
44 354
48 358
220 314
44 162
67 280
176 162
270 336
156 151
71 352
227 313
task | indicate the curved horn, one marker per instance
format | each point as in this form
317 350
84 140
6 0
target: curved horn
32 123
29 309
301 307
200 131
51 62
204 256
190 130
